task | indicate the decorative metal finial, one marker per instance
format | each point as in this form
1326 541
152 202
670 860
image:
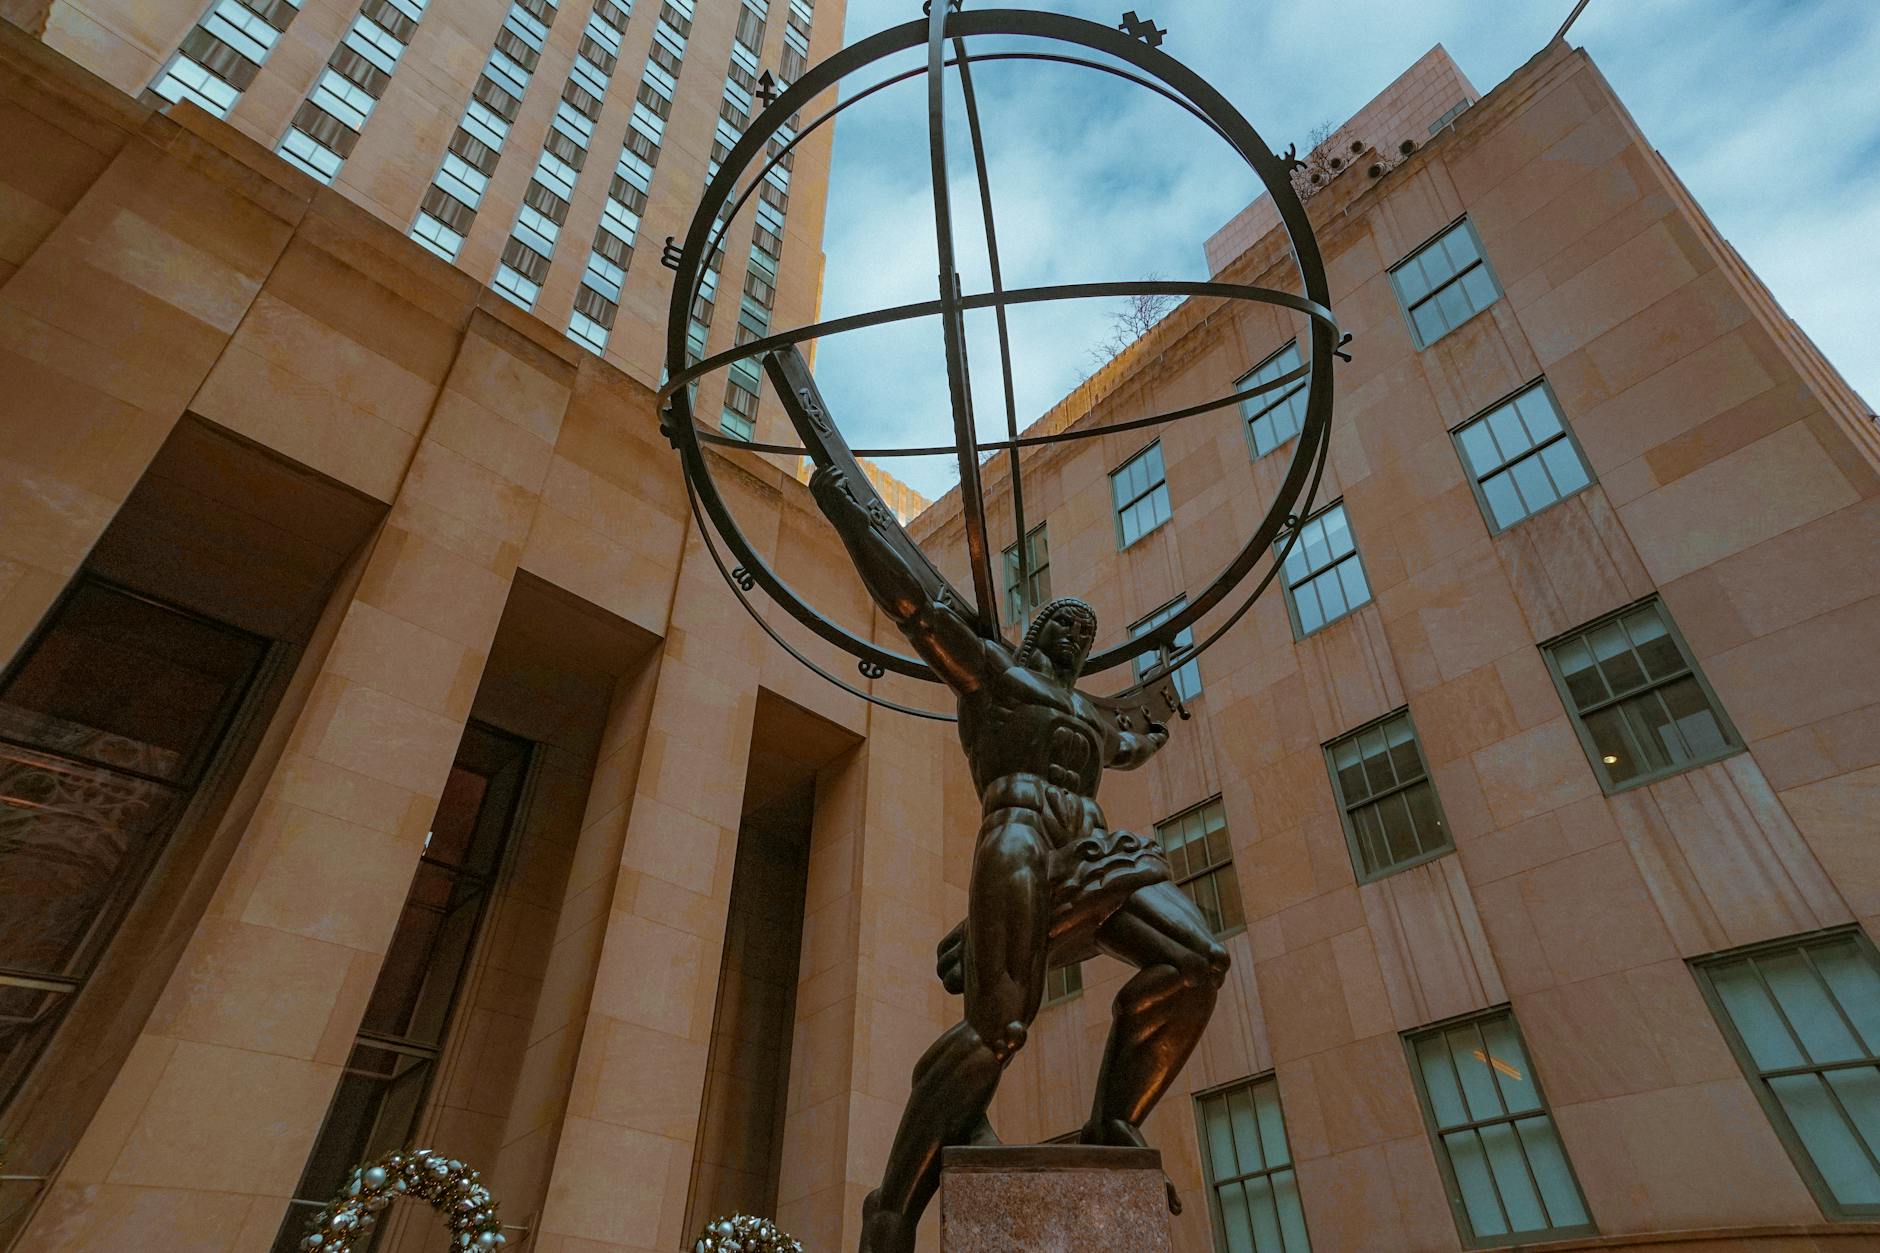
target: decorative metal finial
672 254
767 87
1142 28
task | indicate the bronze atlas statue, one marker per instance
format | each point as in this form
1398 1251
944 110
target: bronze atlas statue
1052 882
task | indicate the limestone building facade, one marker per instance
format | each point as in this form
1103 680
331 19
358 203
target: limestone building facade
386 761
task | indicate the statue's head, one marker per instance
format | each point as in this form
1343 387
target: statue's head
1060 638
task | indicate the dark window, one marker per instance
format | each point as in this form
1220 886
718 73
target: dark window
107 723
1063 982
1506 1170
1274 417
1444 283
1392 816
1253 1190
1187 677
1140 491
1324 577
1642 708
1020 602
1521 457
1203 861
1803 1017
382 1089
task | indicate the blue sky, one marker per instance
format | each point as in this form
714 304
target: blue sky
1766 108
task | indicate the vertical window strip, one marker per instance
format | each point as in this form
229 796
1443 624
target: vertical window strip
1392 816
221 55
1253 1187
537 227
1803 1017
1020 602
1642 708
1202 858
1063 982
1324 576
1187 677
444 219
1507 1171
1521 457
335 112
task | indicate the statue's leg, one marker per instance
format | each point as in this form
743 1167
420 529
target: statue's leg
1007 924
1160 1013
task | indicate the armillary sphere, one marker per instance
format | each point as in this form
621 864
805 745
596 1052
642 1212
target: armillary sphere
1128 53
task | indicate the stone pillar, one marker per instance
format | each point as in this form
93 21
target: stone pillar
1053 1198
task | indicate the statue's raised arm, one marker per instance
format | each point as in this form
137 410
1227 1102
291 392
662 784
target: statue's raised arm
935 623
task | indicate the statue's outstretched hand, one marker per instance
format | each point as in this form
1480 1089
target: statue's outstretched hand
830 487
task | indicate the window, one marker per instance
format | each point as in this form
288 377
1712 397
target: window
382 1089
1253 1191
1803 1017
1274 417
1324 578
1444 283
1642 709
1507 1173
1392 817
1521 457
1203 861
1063 982
107 723
1450 114
1019 602
1140 490
1187 677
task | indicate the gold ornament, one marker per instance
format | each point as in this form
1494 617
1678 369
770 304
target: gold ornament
740 1233
452 1188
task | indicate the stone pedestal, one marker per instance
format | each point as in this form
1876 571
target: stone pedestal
1053 1198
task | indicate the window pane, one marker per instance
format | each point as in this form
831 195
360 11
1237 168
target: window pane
1770 1045
1478 1078
1659 652
1424 812
1579 673
1472 1180
1459 243
1537 414
1221 1158
1236 1226
1246 1132
1530 479
1399 830
1503 501
1510 436
1454 302
1348 765
1265 1214
1830 1142
1351 582
1227 889
1509 1165
1510 1066
1331 595
1858 1090
1272 1124
1614 746
1429 323
1855 984
1479 288
1652 732
1616 662
1804 1002
1478 446
1563 462
1439 1081
1402 744
72 837
1377 763
1696 723
1548 1161
1306 602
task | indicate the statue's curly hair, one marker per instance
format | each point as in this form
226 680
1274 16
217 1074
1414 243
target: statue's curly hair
1069 606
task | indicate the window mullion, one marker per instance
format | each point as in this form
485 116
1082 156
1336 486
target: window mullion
1853 1032
1801 1050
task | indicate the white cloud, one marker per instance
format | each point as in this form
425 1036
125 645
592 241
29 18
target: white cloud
1765 109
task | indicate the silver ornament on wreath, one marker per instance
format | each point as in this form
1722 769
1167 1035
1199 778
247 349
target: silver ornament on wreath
740 1233
452 1189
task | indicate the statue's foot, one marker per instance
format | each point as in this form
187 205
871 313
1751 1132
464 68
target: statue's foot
1119 1134
885 1230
